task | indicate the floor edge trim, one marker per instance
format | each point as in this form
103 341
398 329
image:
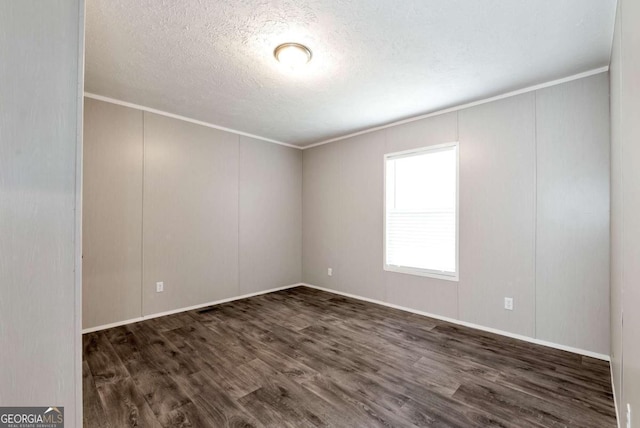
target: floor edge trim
185 309
535 341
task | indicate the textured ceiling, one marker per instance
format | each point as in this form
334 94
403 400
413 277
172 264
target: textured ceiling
374 62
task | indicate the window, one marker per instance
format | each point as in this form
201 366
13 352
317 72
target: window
421 212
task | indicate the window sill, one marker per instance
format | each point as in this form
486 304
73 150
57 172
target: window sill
421 272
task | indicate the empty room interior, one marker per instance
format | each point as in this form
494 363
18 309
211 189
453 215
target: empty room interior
320 213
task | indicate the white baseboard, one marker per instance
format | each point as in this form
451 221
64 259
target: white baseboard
366 299
470 325
189 308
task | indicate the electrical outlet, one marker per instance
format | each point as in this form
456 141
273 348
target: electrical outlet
628 415
330 271
159 287
508 303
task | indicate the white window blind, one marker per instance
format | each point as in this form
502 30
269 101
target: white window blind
421 216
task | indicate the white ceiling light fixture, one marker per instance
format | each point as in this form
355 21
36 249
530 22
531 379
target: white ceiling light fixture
292 55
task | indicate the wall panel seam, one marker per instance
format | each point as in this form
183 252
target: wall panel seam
77 292
239 214
301 258
535 214
142 219
458 227
622 198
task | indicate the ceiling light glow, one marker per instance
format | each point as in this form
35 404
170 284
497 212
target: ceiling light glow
292 54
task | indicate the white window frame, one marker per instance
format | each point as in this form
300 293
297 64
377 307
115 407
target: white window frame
448 276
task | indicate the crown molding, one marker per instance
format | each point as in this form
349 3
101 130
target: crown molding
365 131
464 106
184 118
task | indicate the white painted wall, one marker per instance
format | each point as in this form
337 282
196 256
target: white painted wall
625 206
40 145
516 163
616 212
211 214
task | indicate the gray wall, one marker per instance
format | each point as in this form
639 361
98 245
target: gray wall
190 214
112 212
40 80
534 220
572 235
211 214
616 214
497 214
625 210
270 217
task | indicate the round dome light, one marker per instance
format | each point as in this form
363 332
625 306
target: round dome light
292 54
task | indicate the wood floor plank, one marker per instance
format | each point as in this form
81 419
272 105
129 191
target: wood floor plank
216 406
92 410
438 367
303 357
289 367
433 410
279 399
528 355
227 373
170 322
362 342
102 360
508 403
346 403
187 416
546 387
125 405
146 361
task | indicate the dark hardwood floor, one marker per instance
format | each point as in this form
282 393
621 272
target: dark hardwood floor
306 358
